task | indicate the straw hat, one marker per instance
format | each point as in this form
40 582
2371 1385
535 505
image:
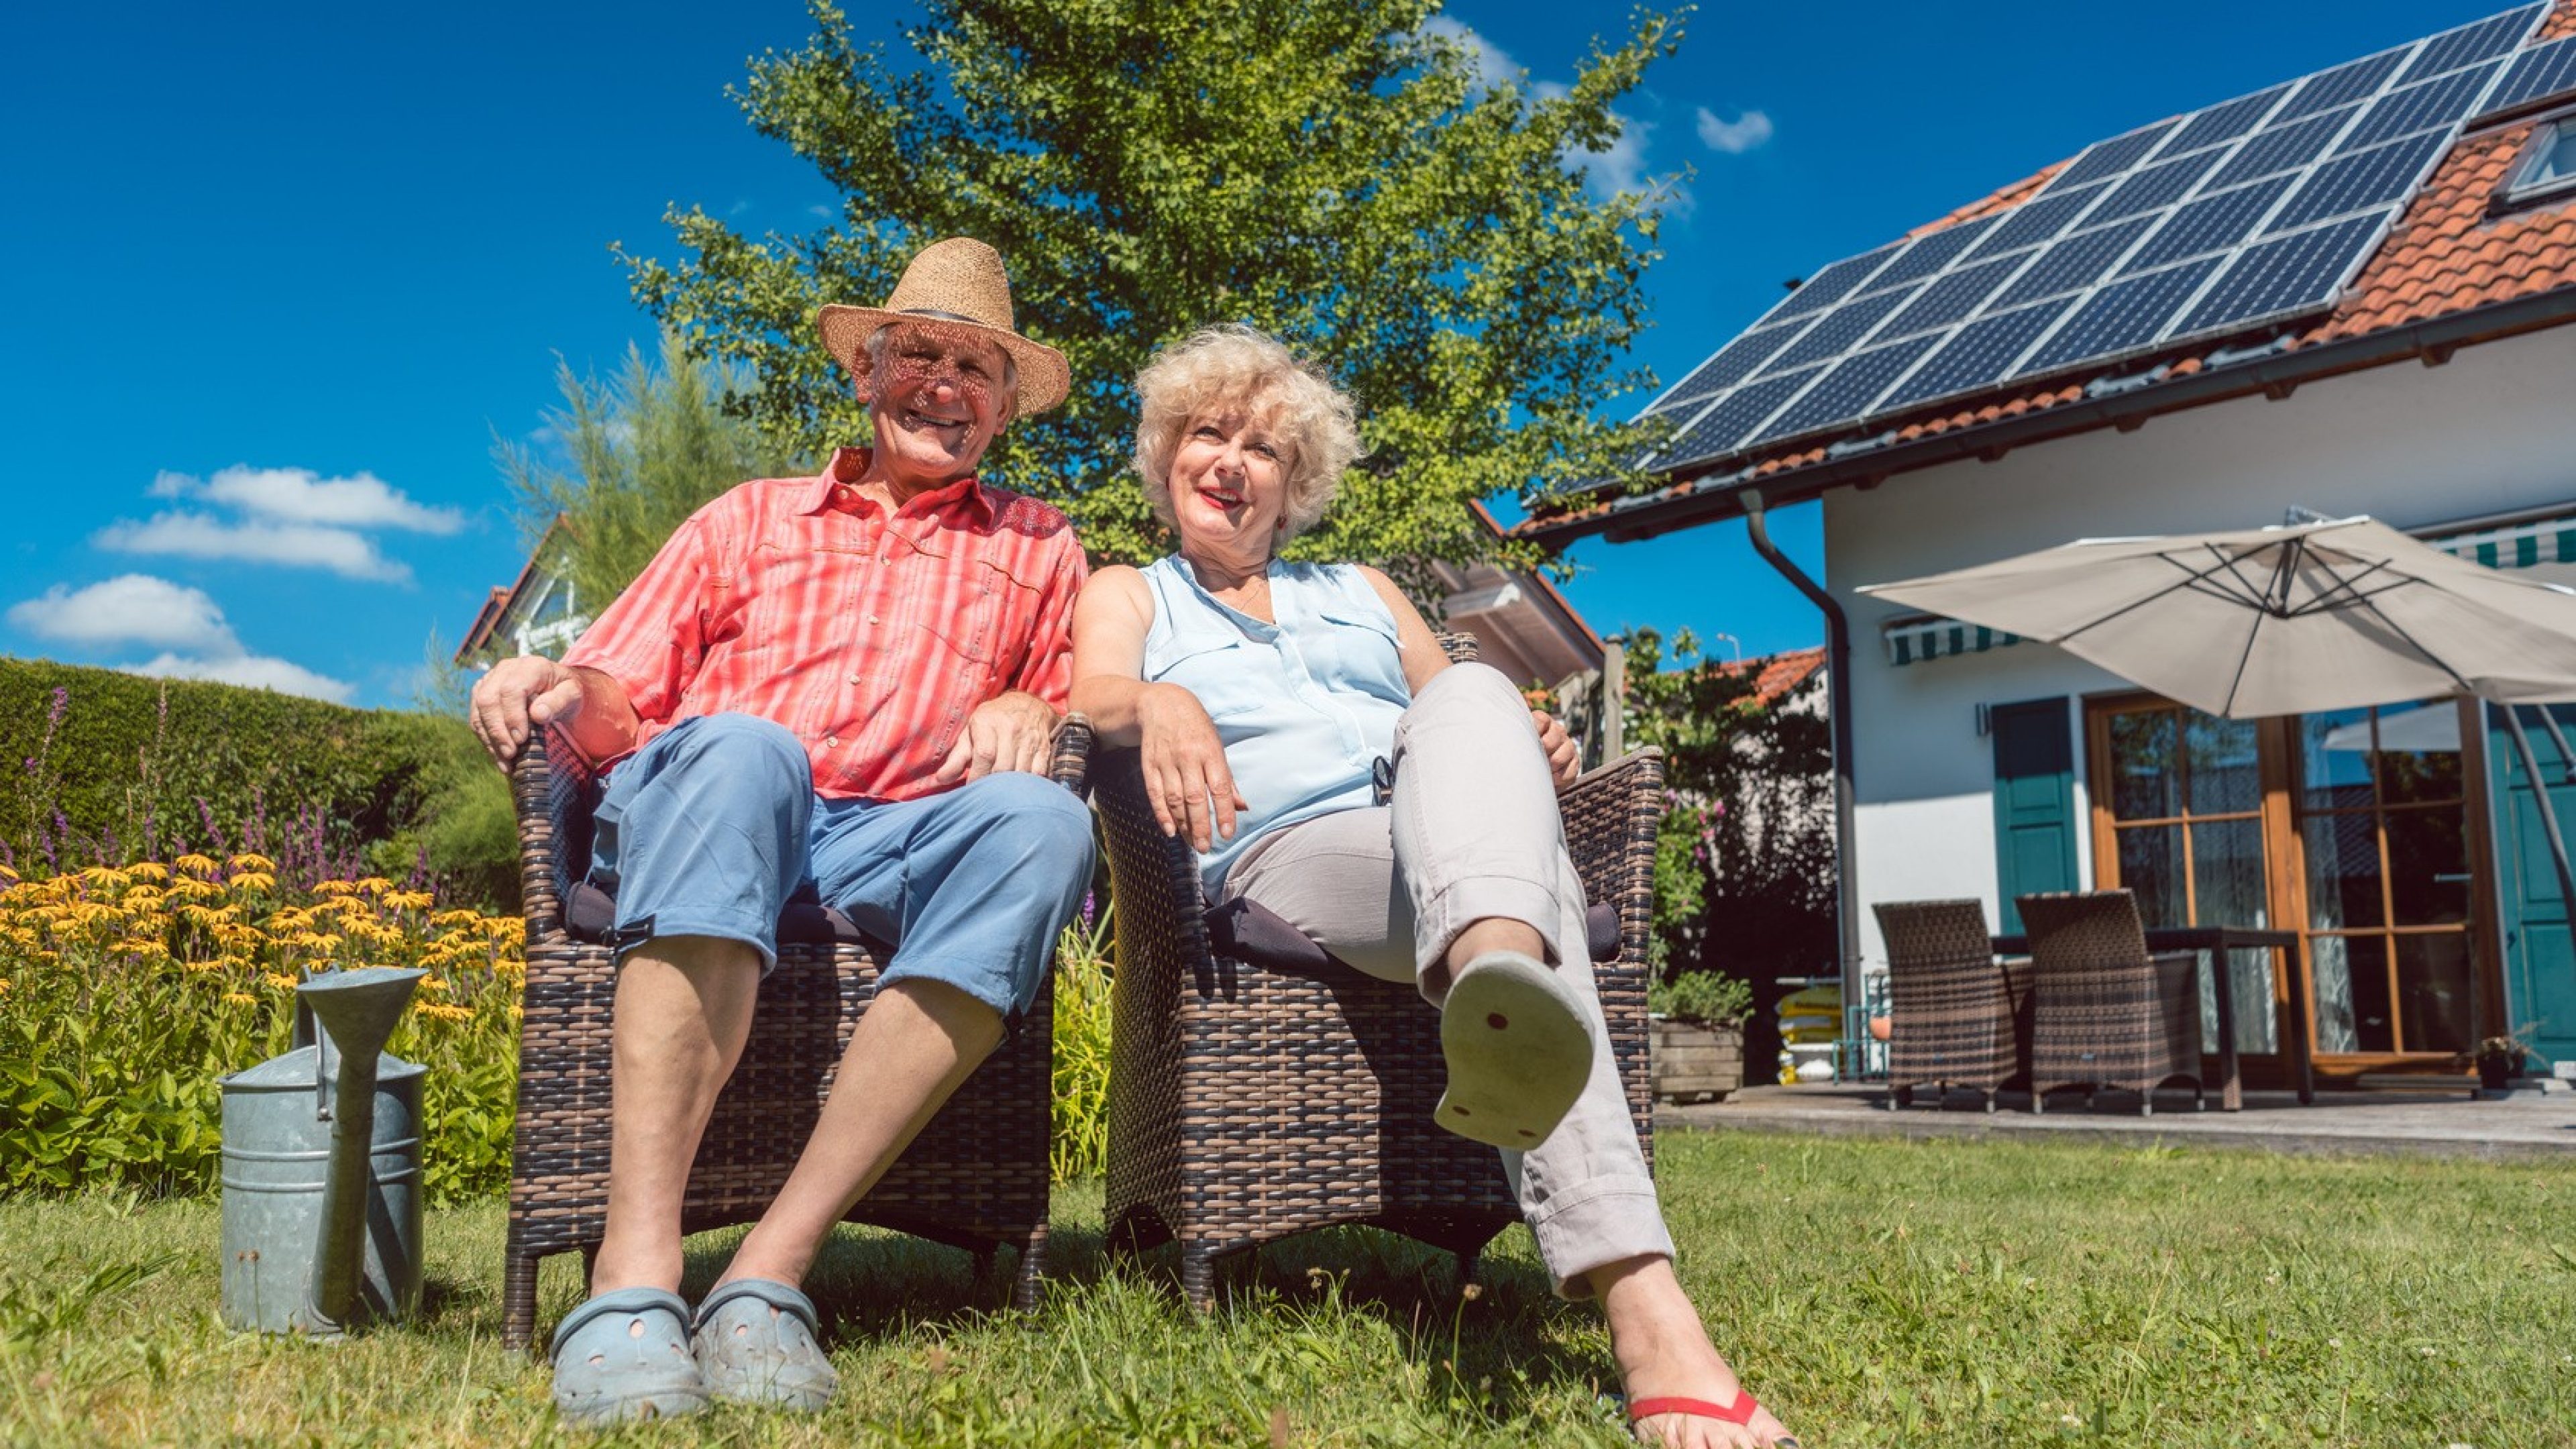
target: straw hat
959 280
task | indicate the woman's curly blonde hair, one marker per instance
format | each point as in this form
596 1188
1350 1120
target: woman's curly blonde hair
1237 368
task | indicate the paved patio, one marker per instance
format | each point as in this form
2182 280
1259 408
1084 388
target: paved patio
2426 1124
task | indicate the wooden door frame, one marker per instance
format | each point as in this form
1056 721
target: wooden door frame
2286 881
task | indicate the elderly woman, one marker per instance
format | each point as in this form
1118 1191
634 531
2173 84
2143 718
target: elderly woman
1268 699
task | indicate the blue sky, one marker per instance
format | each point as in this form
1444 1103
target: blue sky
281 273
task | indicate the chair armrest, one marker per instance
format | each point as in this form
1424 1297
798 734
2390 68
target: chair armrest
1073 744
1611 816
550 791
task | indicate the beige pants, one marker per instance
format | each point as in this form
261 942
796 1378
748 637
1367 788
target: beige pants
1474 833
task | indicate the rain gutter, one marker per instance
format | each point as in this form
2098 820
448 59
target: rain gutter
1857 464
1838 703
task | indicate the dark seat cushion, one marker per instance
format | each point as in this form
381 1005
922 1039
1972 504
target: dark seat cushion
590 913
1243 930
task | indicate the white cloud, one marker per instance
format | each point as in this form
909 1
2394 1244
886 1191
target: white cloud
255 671
183 623
300 495
1613 169
128 609
1733 137
299 545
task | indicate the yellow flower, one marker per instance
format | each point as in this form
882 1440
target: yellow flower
7 874
252 860
197 865
148 870
241 998
251 880
441 1011
4 981
408 900
333 888
375 884
280 980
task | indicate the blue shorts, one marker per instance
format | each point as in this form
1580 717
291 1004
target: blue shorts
714 825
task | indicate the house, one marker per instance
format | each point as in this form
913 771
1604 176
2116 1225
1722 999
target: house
2348 293
536 614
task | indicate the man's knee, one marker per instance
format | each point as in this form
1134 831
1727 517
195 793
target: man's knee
745 743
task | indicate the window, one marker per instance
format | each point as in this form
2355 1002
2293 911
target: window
2548 166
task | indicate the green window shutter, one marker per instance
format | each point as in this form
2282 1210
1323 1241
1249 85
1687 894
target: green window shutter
2034 801
2539 955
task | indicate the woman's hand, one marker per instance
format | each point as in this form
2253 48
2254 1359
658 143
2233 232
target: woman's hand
1185 772
1564 760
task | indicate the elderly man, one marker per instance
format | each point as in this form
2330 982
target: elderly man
851 681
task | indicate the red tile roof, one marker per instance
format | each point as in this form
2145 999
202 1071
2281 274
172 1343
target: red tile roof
2451 252
1777 675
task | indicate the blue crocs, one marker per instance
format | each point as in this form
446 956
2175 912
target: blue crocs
625 1355
755 1343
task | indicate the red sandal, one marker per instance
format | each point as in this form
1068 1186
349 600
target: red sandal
1740 1412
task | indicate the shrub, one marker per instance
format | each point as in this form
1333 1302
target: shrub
1708 997
126 993
1082 981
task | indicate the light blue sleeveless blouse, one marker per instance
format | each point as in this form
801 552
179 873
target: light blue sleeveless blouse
1305 707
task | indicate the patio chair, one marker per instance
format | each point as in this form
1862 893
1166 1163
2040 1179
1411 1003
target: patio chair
1259 1088
976 1177
2105 1012
1957 1017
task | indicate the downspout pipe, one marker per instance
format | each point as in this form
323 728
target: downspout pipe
1838 704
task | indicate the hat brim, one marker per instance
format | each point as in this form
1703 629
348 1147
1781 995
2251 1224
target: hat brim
1045 379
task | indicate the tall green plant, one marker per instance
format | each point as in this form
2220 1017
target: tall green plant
642 451
1331 170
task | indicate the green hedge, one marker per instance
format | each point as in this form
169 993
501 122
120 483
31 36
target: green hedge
124 765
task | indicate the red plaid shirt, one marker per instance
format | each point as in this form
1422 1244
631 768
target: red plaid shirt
871 636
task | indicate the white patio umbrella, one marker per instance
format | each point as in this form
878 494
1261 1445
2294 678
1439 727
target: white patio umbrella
2299 619
2292 620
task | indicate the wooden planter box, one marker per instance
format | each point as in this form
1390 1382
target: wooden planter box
1695 1063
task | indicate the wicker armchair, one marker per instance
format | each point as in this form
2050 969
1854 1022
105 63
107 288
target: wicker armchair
975 1178
2105 1013
1957 1017
1251 1101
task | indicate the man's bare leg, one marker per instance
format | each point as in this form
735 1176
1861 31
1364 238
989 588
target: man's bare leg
1492 933
1663 1350
918 1041
684 1006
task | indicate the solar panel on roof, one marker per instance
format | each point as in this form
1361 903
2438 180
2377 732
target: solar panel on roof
1977 355
2121 317
2213 223
2348 82
2543 70
2279 276
2283 148
2110 158
2035 221
2363 179
2078 261
1931 252
1727 421
2224 122
2471 43
1831 284
1954 296
2419 107
2157 186
2240 215
1846 392
1839 332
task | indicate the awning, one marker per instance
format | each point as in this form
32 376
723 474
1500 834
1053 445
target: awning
2523 546
1922 637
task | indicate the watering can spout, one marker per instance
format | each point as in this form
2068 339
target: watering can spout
357 1011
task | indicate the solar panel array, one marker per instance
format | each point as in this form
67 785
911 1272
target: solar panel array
2244 214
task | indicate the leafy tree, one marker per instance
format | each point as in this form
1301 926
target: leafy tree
1744 866
1329 170
646 450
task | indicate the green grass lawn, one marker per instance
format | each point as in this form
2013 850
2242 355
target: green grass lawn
1874 1292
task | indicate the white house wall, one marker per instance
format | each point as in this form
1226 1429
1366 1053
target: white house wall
2490 432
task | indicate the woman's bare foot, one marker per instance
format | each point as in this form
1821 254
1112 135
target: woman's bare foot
1664 1352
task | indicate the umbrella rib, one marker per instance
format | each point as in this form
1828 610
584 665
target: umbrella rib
2192 578
2428 655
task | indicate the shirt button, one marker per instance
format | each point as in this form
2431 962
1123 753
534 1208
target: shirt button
872 618
833 740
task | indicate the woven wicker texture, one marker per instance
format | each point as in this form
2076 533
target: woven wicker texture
2104 1012
1957 1017
1246 1103
975 1178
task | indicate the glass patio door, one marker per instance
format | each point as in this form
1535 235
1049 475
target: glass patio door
2382 808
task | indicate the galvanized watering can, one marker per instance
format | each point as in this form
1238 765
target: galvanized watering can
322 1167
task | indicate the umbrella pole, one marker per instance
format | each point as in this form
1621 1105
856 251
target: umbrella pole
2548 813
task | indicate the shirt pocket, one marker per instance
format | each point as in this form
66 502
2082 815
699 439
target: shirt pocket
987 622
1361 652
1222 672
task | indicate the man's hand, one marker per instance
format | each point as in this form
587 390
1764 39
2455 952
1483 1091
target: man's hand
1564 759
517 697
1184 764
1015 731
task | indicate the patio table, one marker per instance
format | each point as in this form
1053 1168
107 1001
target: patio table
2207 941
